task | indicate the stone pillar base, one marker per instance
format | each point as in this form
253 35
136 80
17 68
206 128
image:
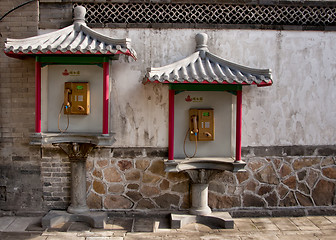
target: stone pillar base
54 218
199 199
78 209
219 219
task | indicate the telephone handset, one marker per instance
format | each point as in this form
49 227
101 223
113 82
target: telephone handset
67 92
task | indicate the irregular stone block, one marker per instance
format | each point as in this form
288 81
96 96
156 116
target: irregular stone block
132 175
305 162
94 201
285 170
157 167
142 164
98 174
217 187
167 200
145 204
124 165
149 191
303 188
112 175
312 177
251 185
149 178
329 172
290 182
133 186
219 202
181 187
304 200
164 185
177 177
272 200
324 193
289 200
102 163
98 187
116 188
267 175
242 176
327 161
255 164
301 174
265 189
250 200
117 202
135 196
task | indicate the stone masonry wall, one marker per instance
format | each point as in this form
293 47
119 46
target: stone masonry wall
20 185
134 179
277 182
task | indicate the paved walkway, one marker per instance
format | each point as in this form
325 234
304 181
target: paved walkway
292 228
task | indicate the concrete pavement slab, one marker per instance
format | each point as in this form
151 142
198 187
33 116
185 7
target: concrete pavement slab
245 224
284 224
104 238
5 222
21 223
331 218
264 224
304 224
322 222
21 236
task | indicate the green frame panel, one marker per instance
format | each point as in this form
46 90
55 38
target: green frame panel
180 87
74 59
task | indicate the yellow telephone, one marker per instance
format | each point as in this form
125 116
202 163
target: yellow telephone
76 101
201 127
76 98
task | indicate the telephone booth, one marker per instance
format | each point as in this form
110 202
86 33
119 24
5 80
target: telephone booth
211 86
72 81
72 76
205 122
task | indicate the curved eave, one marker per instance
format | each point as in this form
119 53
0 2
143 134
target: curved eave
21 55
262 84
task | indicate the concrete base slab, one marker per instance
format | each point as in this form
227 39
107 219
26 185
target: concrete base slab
219 219
54 218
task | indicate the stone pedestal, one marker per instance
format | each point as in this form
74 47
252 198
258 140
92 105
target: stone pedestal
78 188
199 199
77 153
200 170
78 210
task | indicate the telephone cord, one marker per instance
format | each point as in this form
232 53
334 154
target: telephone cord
184 145
59 117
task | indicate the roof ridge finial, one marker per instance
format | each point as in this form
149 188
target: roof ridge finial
201 42
79 17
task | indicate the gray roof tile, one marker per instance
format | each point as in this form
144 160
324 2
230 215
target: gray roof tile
205 67
74 39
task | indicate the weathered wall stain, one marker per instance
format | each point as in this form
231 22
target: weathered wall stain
295 110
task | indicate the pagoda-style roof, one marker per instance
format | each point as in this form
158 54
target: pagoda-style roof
74 39
205 67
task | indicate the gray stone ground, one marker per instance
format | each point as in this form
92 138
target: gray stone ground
128 228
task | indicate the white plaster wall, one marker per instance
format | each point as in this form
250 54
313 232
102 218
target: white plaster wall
299 109
78 123
221 103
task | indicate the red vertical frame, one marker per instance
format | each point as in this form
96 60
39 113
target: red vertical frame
106 96
37 96
171 125
238 125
